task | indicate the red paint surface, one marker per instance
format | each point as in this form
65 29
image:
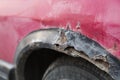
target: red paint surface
98 19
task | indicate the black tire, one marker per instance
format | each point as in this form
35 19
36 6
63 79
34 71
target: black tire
68 68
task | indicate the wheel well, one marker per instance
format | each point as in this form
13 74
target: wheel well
38 61
32 64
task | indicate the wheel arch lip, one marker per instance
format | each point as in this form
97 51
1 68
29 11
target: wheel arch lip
68 42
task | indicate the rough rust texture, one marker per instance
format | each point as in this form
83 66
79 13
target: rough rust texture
78 45
70 43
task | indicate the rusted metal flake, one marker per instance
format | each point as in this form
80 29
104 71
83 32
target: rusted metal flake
78 45
70 43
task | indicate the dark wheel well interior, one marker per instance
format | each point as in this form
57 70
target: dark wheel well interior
38 61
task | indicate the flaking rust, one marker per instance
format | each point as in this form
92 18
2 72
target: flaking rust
78 45
73 44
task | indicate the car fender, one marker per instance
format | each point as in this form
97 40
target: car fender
70 43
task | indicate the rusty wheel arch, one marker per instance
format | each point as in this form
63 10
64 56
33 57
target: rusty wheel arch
70 43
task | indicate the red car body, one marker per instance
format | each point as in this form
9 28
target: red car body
99 20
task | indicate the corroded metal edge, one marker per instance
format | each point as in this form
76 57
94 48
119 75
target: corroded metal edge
70 43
